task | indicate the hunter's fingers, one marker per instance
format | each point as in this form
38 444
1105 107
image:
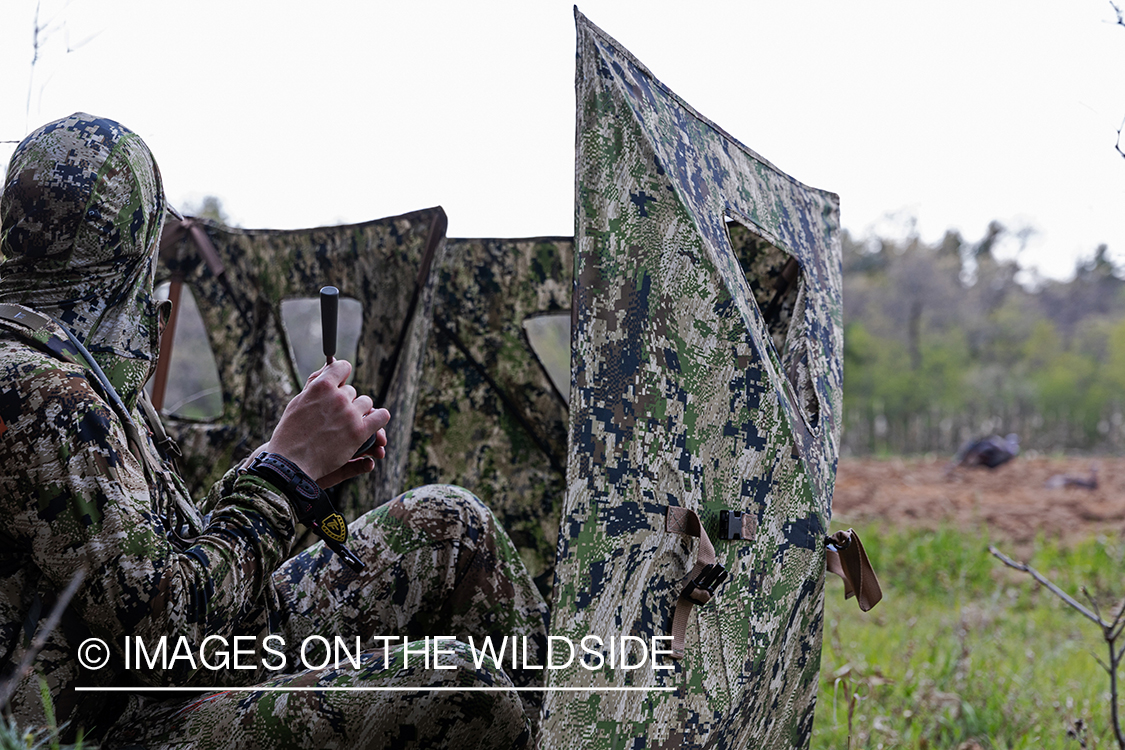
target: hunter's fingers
352 468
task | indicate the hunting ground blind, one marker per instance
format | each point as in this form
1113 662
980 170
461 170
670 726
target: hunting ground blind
676 485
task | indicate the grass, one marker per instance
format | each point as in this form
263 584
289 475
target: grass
962 653
15 737
965 653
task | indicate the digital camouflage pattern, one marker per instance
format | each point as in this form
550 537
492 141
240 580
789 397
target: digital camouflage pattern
404 719
488 416
688 392
382 263
82 206
73 495
437 563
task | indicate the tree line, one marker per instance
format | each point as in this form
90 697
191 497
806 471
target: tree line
944 342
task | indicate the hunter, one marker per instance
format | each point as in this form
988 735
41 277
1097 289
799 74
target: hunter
83 487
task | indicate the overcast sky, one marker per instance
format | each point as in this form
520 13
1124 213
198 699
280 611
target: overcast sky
297 114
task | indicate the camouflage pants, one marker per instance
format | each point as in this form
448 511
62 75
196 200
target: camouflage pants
437 565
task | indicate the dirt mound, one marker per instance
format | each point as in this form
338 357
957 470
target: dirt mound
1017 500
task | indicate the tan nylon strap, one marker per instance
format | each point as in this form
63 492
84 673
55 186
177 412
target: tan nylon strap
24 317
849 561
684 521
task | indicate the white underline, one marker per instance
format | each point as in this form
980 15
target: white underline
313 689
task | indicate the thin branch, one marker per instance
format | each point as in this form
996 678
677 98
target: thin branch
1114 713
1093 602
1109 633
1118 623
81 44
41 636
1050 586
40 34
1120 22
1120 616
36 28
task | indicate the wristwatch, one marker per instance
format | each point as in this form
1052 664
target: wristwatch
310 502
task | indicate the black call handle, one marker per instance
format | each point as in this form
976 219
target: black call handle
329 313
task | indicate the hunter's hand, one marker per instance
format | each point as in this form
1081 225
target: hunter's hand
326 423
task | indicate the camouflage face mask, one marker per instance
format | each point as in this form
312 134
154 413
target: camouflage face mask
82 211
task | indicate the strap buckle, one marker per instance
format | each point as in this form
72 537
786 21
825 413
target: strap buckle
703 587
839 541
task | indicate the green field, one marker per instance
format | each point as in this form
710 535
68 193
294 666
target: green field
963 652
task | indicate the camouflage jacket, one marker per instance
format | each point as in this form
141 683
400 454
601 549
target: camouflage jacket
80 218
73 495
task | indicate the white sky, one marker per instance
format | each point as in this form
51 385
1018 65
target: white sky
308 113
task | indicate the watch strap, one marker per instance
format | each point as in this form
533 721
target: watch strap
301 490
311 504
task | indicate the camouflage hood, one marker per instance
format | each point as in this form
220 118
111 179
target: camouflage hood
82 212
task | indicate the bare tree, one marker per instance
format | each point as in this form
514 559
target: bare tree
1111 629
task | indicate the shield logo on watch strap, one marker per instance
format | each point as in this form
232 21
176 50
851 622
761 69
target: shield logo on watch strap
335 528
